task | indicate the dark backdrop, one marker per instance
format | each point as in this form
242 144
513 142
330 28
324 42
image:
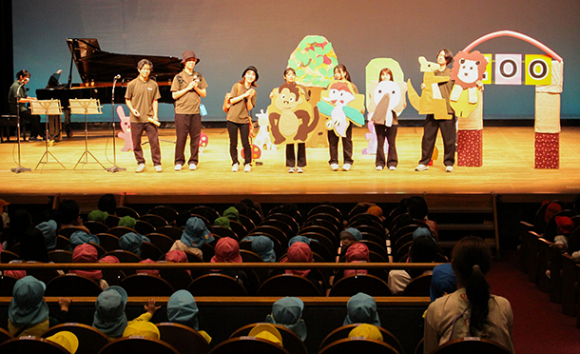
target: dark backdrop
229 35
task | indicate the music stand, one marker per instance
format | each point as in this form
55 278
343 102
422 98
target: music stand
114 168
47 107
86 107
20 168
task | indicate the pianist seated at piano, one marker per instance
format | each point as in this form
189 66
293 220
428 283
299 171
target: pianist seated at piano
17 100
142 97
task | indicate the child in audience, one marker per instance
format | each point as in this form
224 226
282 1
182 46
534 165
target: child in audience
132 242
182 309
357 253
264 247
565 227
79 237
347 238
87 253
110 315
367 331
423 250
177 256
28 314
300 252
443 281
287 312
227 250
471 311
65 339
362 308
127 221
193 237
143 329
267 332
98 216
49 230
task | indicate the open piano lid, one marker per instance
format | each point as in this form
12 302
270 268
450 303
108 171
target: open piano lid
93 64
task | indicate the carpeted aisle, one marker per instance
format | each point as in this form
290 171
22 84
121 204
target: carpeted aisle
539 325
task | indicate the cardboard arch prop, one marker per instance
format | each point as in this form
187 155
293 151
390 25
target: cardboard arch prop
547 106
376 94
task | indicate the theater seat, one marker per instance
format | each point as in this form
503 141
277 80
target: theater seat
342 332
216 285
358 345
183 338
72 285
91 340
138 344
288 285
29 344
353 284
247 345
292 343
471 346
146 285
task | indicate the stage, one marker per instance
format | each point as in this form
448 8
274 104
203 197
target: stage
508 169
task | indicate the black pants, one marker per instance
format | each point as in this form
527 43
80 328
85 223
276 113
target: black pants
187 124
391 134
244 129
26 117
449 134
291 157
346 146
153 136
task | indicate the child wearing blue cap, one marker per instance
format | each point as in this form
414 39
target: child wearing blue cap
287 312
28 314
182 309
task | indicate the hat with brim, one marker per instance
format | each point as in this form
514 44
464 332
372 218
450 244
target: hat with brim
67 340
189 54
268 332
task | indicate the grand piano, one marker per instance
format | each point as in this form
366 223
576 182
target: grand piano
97 69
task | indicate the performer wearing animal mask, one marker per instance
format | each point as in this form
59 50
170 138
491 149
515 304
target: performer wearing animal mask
447 126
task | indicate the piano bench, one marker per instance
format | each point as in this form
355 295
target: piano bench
7 121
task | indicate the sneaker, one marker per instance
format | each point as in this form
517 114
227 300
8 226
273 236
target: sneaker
334 166
247 168
421 167
346 167
140 168
299 170
178 167
379 168
192 167
392 168
235 167
291 170
449 169
158 168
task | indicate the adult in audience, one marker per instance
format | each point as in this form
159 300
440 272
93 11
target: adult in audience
71 214
287 312
108 203
471 311
423 250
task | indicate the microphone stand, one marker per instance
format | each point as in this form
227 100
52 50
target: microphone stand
20 168
114 168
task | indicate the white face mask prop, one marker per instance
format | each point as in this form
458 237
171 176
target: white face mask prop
387 97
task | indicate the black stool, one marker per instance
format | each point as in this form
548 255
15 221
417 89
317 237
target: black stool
7 121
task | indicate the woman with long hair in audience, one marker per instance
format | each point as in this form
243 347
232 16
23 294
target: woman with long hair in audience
471 311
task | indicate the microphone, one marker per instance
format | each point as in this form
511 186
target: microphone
117 77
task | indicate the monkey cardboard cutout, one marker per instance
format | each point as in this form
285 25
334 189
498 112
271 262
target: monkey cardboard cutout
467 72
292 119
341 106
430 101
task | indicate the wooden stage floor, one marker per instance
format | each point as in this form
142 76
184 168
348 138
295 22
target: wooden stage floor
508 169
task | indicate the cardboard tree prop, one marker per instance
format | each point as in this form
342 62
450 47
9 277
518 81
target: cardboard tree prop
292 119
430 101
341 106
387 97
314 60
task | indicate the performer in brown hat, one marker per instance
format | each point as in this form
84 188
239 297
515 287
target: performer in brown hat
187 88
